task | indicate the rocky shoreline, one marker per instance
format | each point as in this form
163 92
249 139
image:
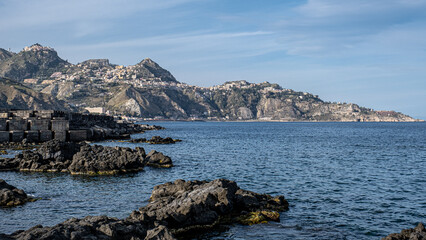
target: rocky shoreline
84 159
11 196
156 140
176 210
417 233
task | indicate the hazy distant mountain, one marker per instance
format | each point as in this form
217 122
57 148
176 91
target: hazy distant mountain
147 90
14 95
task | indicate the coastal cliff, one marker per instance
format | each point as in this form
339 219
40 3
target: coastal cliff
147 90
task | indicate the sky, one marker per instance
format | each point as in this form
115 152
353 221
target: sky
372 53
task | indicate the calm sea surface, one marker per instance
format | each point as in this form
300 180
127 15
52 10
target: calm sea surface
342 180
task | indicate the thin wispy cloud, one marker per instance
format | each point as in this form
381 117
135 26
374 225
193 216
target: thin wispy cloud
324 46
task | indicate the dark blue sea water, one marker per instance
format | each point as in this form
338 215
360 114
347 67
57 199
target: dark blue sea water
343 180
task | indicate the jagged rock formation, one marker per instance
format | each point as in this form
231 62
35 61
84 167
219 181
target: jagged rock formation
99 160
158 160
14 95
11 196
417 233
84 159
176 209
156 140
149 91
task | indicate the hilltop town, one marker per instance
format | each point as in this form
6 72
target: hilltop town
146 90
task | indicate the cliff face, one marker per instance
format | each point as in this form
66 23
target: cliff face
149 91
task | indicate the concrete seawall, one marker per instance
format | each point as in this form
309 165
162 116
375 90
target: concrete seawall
45 125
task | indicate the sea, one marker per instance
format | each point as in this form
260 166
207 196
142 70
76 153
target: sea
342 180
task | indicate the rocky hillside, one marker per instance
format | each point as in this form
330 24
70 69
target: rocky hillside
14 95
4 54
149 91
33 62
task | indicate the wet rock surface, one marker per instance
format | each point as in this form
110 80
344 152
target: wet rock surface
51 156
158 160
91 227
184 206
417 233
16 145
11 196
156 140
177 209
92 160
82 158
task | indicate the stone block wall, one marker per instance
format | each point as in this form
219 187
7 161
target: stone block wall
39 124
4 136
3 124
32 136
17 124
59 125
78 135
16 136
45 125
45 135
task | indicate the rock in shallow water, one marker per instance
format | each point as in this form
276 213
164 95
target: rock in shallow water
176 209
81 158
99 160
417 233
158 160
183 206
11 196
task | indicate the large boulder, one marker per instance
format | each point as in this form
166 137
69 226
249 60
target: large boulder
417 233
51 156
158 160
156 140
160 140
181 209
11 196
82 158
58 151
97 159
91 227
184 206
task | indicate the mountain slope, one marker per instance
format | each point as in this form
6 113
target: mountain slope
150 91
33 62
4 54
14 95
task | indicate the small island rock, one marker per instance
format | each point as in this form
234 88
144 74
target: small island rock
11 196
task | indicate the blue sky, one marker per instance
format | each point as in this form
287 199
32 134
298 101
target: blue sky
372 53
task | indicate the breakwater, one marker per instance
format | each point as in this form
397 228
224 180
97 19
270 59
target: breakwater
45 125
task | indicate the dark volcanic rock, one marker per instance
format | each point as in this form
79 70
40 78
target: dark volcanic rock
59 151
156 140
180 208
138 140
184 206
158 160
52 156
160 140
91 227
159 233
107 160
81 158
11 196
417 233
